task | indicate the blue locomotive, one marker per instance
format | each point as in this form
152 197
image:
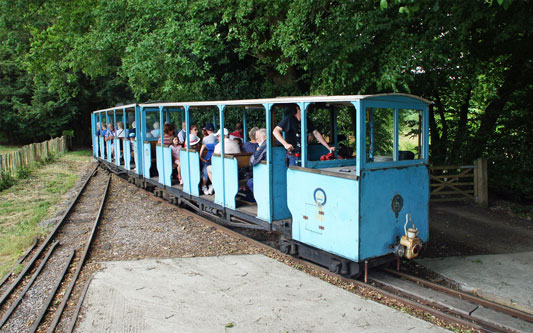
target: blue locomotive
365 202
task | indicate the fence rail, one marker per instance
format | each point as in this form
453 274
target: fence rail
12 163
460 183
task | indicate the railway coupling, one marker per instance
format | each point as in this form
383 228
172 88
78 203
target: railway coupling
409 245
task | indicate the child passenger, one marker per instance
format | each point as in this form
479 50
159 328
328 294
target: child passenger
175 147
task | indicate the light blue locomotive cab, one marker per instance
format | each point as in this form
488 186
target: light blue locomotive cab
356 208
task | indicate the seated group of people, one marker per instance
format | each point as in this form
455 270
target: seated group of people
210 144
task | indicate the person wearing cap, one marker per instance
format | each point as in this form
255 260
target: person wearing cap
291 125
230 147
208 144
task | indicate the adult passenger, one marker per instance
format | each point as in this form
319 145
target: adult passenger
110 132
156 131
258 155
120 130
230 147
291 125
183 132
250 146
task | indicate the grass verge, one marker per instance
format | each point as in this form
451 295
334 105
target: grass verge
8 149
33 199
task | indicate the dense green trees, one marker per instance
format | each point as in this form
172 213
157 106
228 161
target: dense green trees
61 59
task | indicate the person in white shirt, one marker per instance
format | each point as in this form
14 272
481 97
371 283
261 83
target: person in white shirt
230 147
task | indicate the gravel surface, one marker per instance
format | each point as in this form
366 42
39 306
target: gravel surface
137 225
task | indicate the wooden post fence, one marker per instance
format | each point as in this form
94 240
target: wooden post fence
460 183
12 163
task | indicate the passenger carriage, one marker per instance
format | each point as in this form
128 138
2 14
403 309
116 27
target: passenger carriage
337 212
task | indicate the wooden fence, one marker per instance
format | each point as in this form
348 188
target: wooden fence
12 163
460 183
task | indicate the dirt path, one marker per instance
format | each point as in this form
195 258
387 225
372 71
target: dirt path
465 229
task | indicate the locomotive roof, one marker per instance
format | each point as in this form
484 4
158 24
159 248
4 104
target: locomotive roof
339 99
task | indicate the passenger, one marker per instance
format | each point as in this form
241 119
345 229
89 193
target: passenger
132 130
110 132
236 139
120 130
292 127
230 147
103 129
156 131
250 146
194 142
97 128
258 155
168 134
175 148
193 130
238 131
183 132
208 144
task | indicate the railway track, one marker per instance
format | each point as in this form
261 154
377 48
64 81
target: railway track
36 298
458 309
485 314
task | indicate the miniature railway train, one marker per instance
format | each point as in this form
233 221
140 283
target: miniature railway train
338 212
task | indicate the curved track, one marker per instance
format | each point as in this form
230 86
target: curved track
35 299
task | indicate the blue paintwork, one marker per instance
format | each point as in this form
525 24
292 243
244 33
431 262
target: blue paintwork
337 230
378 225
314 152
164 164
108 146
147 160
190 171
102 147
276 208
226 186
330 163
116 143
127 154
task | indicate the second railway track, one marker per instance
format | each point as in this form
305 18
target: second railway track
35 298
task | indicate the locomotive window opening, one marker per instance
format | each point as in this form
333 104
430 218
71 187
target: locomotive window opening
379 134
346 131
409 134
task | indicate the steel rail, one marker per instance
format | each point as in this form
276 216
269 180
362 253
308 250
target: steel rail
66 295
475 299
48 301
13 306
435 312
19 262
46 241
78 307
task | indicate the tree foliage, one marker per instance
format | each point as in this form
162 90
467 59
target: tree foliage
59 60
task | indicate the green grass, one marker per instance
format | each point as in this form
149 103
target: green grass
8 149
33 199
